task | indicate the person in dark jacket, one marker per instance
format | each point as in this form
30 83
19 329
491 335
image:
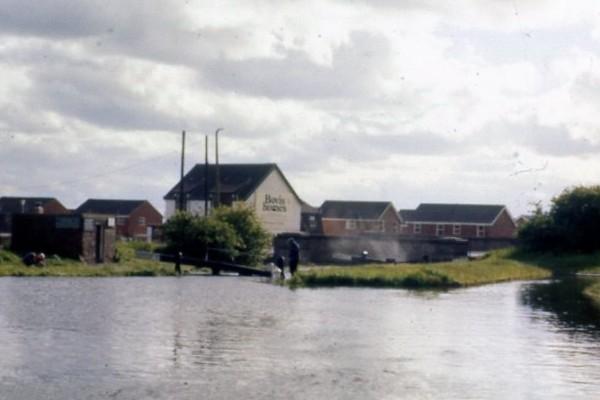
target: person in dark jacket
294 255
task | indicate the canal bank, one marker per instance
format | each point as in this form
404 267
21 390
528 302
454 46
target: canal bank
499 266
125 264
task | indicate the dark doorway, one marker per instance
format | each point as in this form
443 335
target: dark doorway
99 244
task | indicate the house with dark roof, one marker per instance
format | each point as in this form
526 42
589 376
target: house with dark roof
469 221
133 218
310 221
262 187
26 205
349 218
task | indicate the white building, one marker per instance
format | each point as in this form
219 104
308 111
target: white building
262 187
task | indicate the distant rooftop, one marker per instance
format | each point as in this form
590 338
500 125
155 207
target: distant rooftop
108 206
453 213
22 204
240 180
353 209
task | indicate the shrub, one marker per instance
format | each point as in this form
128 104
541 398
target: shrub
195 236
570 225
253 238
229 234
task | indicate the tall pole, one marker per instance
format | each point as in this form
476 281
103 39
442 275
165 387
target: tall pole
218 181
206 176
181 191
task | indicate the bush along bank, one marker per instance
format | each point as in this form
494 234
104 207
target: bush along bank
498 267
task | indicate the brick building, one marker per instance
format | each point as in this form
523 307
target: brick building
9 206
133 218
349 218
469 221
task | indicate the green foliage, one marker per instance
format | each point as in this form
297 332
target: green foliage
195 236
570 225
593 293
539 233
229 234
8 257
253 239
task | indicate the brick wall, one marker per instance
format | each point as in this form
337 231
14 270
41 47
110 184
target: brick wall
148 213
504 227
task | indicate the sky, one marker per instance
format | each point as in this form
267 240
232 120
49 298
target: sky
409 101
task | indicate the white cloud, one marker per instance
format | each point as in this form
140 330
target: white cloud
409 101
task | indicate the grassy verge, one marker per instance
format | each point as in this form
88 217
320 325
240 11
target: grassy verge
593 293
498 267
128 265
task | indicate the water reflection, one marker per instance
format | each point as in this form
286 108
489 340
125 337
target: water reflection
224 338
564 304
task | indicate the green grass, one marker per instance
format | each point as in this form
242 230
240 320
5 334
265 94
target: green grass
498 267
128 265
559 264
593 293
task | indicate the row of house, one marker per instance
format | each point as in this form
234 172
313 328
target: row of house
264 188
131 218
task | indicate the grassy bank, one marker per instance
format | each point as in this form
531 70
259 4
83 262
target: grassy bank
593 293
128 265
498 267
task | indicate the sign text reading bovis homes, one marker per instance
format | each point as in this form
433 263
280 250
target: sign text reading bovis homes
274 203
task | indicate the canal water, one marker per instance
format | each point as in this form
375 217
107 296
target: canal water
228 338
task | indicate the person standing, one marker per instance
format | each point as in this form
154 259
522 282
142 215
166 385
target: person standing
294 255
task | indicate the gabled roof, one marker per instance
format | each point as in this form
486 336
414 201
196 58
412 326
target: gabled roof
407 215
240 180
13 204
308 209
354 209
109 206
453 213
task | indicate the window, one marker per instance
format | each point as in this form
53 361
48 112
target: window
439 230
121 221
456 230
417 228
375 226
350 224
312 221
480 231
142 221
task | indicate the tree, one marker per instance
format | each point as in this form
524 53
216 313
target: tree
253 238
576 214
228 234
539 232
198 237
570 225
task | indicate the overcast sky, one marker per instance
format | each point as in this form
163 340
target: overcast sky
481 101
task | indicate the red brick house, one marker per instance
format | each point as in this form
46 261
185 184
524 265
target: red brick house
26 205
349 218
469 221
132 217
